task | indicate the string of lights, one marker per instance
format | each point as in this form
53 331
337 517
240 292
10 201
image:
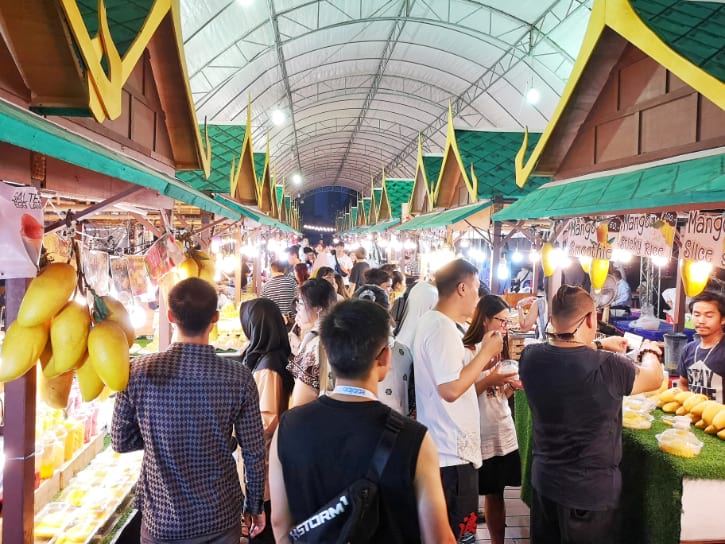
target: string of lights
318 228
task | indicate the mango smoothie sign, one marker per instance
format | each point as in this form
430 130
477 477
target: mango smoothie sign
703 238
586 238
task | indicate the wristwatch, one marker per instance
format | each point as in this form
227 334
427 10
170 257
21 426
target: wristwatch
598 343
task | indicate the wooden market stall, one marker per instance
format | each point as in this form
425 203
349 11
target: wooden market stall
640 132
427 171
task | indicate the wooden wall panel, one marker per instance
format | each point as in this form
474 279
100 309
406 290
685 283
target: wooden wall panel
134 83
643 113
669 125
14 164
143 125
616 139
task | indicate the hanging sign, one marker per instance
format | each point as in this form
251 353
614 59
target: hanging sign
162 257
21 231
703 238
137 275
586 238
644 235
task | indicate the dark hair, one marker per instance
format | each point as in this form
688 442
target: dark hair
323 271
308 250
488 306
567 306
360 253
293 250
302 273
450 275
376 276
397 278
353 334
373 293
389 268
341 286
278 266
617 274
193 304
710 296
318 293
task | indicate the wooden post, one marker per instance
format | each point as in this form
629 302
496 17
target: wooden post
19 471
679 310
164 324
495 256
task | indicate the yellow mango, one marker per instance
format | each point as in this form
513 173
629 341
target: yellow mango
711 429
695 275
547 259
693 401
709 413
21 349
682 397
108 354
118 314
598 273
69 335
47 294
670 407
88 381
699 408
669 395
187 269
681 411
700 424
721 435
719 420
55 391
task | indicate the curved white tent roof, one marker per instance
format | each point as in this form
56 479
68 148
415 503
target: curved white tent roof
359 79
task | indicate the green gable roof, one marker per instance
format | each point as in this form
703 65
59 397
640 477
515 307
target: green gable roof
492 156
367 201
432 165
279 193
399 191
686 183
226 144
695 30
353 215
287 205
125 19
377 198
259 160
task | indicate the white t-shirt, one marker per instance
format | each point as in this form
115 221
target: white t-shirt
438 357
393 390
498 433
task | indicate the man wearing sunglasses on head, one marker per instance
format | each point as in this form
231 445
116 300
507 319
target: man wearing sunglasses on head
574 385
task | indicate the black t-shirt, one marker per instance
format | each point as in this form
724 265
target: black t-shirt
575 395
704 369
327 444
357 274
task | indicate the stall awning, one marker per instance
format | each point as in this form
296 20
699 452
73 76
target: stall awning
689 184
445 218
380 227
254 215
25 129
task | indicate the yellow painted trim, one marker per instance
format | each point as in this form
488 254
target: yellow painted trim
452 147
622 19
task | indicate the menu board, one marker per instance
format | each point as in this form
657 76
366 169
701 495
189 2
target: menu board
21 231
703 238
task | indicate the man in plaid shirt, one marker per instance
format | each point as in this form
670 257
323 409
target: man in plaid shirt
183 407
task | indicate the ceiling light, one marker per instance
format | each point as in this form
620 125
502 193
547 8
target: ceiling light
278 117
533 95
296 179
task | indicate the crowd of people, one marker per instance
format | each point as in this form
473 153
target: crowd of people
335 346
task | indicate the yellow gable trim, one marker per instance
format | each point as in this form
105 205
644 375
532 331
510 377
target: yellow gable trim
452 147
621 18
420 168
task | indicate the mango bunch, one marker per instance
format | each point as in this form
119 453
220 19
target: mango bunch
62 335
708 415
197 264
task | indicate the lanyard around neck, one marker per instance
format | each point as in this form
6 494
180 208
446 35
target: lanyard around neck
353 391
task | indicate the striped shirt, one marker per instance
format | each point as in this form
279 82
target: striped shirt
183 407
282 290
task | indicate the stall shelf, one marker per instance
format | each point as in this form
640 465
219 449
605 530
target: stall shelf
665 499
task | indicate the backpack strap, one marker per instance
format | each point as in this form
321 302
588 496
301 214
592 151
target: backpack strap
393 425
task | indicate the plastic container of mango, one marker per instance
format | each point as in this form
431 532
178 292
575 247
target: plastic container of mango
636 419
679 442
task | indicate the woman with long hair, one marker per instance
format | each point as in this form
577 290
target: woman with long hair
267 356
499 448
302 273
309 367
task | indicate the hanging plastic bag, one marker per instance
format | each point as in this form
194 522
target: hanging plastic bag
21 231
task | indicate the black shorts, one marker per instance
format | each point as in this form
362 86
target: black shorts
499 472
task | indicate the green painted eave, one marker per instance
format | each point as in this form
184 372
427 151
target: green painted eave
399 191
23 128
492 156
125 19
385 225
432 165
445 217
254 215
226 145
688 183
695 30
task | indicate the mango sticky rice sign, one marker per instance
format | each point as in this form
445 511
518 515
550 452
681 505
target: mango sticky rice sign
703 238
21 231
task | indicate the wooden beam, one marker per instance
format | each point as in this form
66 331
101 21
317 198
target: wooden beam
146 223
96 207
211 225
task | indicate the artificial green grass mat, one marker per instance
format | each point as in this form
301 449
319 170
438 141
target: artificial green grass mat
652 479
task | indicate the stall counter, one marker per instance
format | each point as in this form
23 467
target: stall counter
666 499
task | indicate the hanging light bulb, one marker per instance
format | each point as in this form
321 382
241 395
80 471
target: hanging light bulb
659 261
695 275
465 242
534 256
215 245
533 96
516 257
137 316
409 244
502 272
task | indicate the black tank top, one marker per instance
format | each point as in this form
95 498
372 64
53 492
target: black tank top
327 444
